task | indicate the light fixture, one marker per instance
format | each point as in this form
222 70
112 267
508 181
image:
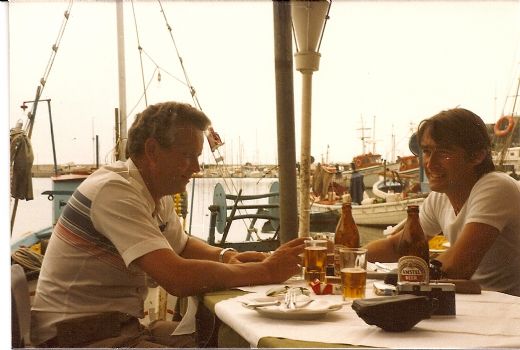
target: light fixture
308 19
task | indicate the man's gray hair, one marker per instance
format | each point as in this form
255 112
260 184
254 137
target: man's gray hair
158 120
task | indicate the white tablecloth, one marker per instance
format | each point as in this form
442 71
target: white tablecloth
487 320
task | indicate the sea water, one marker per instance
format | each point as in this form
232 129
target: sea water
36 214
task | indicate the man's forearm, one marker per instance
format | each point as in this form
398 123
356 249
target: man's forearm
198 249
383 250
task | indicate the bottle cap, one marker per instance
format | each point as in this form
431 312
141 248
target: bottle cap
346 198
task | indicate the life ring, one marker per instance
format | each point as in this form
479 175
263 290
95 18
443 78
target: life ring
501 132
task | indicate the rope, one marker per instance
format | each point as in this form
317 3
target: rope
162 69
190 87
39 90
193 93
140 55
144 93
28 259
217 157
43 80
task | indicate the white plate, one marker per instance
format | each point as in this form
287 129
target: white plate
437 250
316 309
446 244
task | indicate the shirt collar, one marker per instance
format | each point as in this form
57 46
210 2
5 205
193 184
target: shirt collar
138 182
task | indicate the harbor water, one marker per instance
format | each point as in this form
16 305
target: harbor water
37 214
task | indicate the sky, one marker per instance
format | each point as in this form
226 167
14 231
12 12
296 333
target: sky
385 66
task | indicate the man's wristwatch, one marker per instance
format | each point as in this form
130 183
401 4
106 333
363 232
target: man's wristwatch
224 251
435 270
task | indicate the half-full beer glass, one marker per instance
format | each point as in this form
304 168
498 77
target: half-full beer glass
315 259
353 266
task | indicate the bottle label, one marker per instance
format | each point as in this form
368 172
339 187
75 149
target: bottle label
413 269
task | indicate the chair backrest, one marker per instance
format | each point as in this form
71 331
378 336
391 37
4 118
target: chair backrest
20 307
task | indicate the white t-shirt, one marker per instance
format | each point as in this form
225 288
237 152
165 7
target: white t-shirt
495 201
110 220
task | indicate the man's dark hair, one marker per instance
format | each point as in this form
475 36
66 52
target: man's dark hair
157 120
463 128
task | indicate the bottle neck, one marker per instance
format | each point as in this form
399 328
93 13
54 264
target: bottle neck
346 207
413 214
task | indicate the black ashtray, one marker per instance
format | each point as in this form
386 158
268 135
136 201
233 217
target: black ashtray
397 313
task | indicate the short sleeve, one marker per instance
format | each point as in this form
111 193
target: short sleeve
495 203
122 214
428 214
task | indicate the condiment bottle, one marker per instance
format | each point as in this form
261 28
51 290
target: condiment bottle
413 243
347 234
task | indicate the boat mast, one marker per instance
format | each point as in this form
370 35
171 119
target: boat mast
393 145
374 136
121 142
363 138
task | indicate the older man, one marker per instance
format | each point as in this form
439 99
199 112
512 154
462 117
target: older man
120 226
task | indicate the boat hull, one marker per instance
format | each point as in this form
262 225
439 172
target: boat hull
380 214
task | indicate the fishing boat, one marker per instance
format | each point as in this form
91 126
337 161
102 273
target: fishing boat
405 181
511 161
393 193
376 214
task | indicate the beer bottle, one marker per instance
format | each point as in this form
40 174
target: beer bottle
413 241
347 233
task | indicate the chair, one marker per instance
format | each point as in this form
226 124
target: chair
20 307
222 221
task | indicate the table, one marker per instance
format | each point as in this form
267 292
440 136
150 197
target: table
487 320
229 338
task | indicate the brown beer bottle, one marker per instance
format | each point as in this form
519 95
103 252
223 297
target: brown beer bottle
413 241
347 233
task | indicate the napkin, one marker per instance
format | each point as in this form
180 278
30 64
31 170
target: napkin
187 325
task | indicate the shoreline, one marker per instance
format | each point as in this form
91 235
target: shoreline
233 171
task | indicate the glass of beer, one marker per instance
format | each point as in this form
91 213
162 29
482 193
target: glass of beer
329 237
315 259
353 264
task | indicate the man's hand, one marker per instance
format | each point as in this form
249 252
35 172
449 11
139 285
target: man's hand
285 261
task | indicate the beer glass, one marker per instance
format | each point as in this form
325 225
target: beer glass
315 259
329 237
353 266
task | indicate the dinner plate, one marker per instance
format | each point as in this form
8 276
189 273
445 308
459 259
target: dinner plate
444 248
316 309
437 250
